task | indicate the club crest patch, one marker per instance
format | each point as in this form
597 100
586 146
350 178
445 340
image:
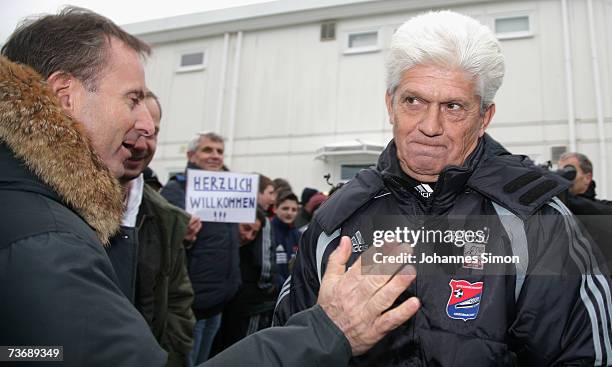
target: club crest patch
464 301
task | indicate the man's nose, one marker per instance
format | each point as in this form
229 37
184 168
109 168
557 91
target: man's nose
144 122
140 143
431 124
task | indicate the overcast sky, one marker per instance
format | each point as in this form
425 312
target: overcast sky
120 11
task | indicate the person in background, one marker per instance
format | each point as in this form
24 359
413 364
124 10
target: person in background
251 309
304 217
266 196
148 253
593 213
286 236
213 260
309 209
583 185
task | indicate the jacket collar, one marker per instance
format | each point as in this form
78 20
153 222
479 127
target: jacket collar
590 191
451 181
58 157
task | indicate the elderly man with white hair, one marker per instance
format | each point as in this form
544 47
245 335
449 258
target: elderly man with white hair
525 286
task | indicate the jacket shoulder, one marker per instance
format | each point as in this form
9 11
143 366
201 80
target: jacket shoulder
162 205
27 214
348 199
515 183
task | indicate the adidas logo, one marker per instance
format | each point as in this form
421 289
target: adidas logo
359 244
424 189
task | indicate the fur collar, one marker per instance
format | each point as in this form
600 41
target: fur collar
56 149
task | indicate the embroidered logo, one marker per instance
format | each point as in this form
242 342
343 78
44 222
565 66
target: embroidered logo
464 301
359 244
424 189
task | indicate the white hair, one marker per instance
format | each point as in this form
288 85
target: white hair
195 141
450 40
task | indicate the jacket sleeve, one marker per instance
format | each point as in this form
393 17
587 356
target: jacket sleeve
60 290
178 337
309 338
563 310
174 192
301 289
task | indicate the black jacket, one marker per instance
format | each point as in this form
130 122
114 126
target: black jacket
213 261
309 339
58 204
150 264
550 308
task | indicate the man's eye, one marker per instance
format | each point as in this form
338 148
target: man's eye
454 106
411 100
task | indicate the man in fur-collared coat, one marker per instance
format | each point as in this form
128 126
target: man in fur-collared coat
59 199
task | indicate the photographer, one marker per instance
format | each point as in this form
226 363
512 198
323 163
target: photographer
580 199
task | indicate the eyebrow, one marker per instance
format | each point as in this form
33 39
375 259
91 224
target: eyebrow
139 92
409 92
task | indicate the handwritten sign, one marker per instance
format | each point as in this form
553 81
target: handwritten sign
221 196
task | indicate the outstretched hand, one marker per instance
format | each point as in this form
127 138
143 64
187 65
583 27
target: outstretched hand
356 303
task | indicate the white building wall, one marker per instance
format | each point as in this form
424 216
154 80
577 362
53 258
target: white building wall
297 93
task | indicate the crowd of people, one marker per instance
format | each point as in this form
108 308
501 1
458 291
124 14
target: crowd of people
97 256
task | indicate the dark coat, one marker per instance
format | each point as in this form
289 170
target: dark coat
546 309
150 264
213 261
58 205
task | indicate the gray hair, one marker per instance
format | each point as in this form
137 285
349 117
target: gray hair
583 161
195 141
450 40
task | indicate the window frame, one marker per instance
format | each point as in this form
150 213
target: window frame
363 49
198 67
517 34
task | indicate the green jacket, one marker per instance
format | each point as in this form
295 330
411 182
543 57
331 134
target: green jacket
163 291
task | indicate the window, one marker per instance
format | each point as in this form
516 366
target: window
508 27
348 171
328 31
557 152
190 61
360 42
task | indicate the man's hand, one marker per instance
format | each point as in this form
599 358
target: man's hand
356 303
193 228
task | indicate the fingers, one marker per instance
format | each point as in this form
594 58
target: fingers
336 264
384 298
391 319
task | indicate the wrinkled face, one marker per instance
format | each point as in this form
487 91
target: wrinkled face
287 211
582 181
267 197
208 156
144 147
248 231
436 120
114 115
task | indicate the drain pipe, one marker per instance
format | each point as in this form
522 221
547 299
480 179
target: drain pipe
222 83
233 100
569 82
598 102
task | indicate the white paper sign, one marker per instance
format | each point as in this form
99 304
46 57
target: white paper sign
222 196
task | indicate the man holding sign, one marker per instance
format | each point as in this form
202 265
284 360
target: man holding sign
213 261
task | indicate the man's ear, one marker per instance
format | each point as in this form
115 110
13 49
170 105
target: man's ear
189 155
486 119
389 102
63 86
